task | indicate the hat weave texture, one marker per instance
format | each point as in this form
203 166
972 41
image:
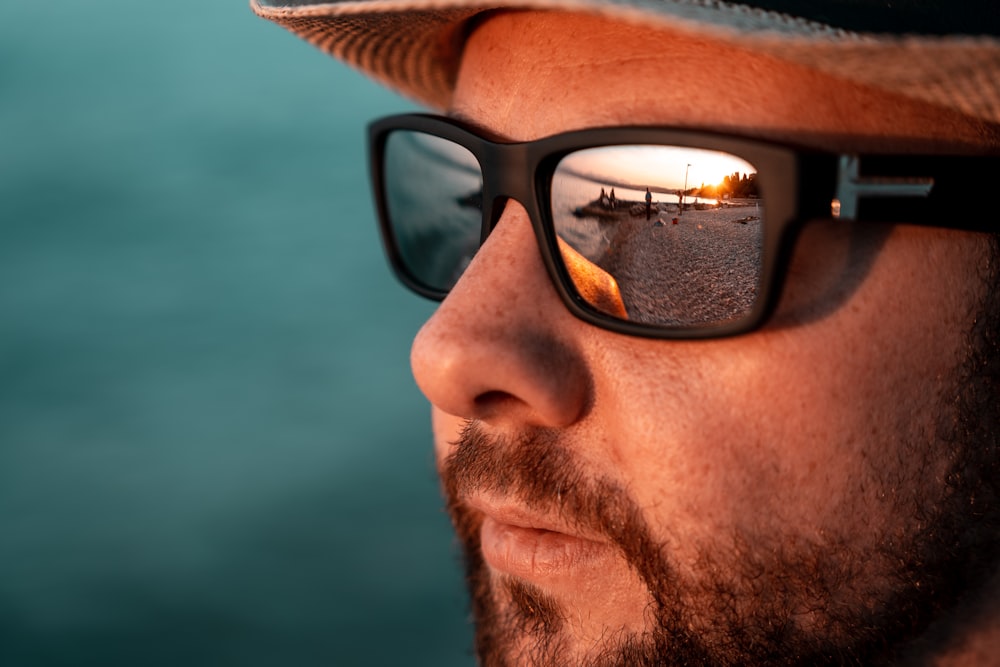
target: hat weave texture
414 46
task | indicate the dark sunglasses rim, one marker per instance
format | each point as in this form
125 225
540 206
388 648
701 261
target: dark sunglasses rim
797 185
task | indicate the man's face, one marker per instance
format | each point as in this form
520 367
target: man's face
762 498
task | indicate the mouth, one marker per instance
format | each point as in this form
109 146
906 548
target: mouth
536 549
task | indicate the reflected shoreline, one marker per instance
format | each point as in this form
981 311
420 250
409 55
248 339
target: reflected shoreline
604 211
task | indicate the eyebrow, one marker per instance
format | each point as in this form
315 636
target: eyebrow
832 142
478 128
460 116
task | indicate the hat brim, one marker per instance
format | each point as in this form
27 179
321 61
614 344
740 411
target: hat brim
414 46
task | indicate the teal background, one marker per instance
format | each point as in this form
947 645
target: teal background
211 449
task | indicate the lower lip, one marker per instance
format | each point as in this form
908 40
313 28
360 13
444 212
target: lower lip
538 555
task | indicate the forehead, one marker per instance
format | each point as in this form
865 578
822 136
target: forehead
529 74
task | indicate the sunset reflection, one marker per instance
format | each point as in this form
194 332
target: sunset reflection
679 254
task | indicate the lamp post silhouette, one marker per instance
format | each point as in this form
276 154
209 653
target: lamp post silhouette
680 200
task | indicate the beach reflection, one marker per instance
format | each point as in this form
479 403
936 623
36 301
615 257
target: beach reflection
679 230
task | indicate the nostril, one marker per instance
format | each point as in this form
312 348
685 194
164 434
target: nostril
491 402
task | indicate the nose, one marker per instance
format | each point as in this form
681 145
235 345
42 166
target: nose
502 348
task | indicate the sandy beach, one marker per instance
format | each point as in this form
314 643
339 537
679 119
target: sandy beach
700 269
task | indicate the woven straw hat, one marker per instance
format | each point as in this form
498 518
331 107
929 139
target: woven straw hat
946 52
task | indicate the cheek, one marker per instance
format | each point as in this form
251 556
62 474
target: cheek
805 425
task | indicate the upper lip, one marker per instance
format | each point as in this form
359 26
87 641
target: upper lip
515 514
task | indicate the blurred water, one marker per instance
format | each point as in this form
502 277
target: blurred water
211 450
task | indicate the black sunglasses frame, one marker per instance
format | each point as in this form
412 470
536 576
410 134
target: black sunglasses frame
797 185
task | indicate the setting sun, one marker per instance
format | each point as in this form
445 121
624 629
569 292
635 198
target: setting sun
666 169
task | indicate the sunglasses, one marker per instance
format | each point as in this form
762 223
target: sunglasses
653 232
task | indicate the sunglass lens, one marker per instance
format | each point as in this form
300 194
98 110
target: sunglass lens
433 195
660 235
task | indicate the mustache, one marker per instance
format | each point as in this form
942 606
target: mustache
538 469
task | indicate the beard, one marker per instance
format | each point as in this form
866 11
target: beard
869 607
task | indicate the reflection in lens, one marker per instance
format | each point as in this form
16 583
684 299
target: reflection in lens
434 197
679 230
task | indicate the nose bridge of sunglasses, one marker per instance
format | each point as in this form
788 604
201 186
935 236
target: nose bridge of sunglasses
510 174
507 172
